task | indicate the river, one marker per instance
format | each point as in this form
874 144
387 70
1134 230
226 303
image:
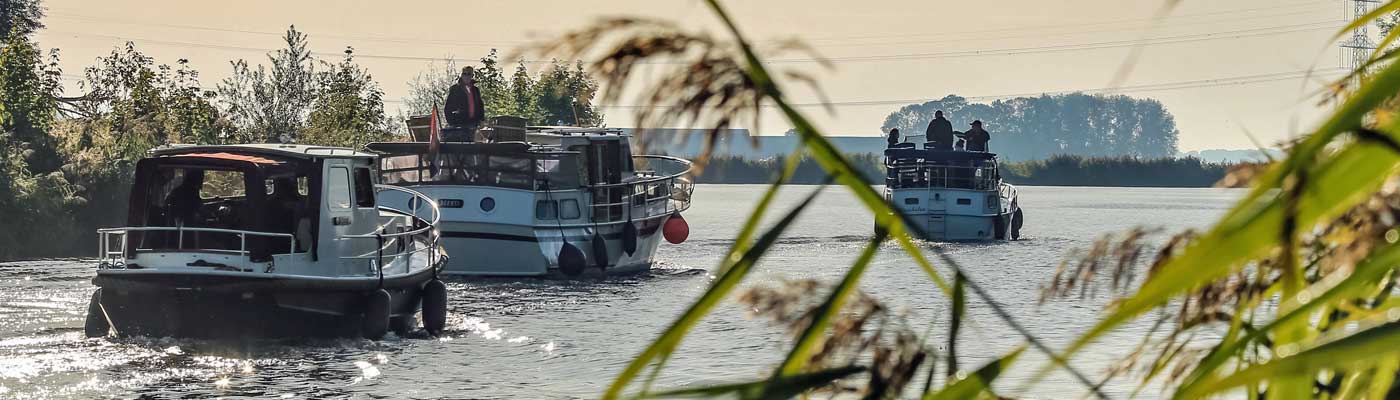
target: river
568 339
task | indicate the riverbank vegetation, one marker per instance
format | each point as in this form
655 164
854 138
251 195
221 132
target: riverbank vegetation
1063 170
66 159
1289 295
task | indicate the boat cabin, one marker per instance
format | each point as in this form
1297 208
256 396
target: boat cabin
950 169
562 158
247 207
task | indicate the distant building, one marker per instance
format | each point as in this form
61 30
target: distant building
740 143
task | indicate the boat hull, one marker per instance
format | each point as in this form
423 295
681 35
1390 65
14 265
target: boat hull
224 306
496 249
943 214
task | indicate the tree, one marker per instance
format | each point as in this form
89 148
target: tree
1036 128
29 88
20 17
133 105
429 88
267 103
554 97
566 96
349 108
523 95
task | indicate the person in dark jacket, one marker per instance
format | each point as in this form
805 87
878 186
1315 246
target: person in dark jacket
464 109
893 138
939 133
977 137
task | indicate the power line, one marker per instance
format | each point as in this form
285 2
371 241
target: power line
1095 23
1214 82
1084 46
1032 32
885 57
380 38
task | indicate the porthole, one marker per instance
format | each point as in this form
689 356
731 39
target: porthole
488 204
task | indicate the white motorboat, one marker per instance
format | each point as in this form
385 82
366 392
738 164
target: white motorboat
552 201
267 241
952 195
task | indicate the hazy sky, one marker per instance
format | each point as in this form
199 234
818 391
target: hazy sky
1222 67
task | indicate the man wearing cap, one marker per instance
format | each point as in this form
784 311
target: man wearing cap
464 108
977 137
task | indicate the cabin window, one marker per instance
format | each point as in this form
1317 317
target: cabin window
400 169
568 209
364 188
545 209
221 184
911 200
338 185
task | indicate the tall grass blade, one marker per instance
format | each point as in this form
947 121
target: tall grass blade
1357 350
783 387
1319 295
979 382
734 268
815 333
1249 229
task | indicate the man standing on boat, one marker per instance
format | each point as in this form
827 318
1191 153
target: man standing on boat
939 133
977 137
465 110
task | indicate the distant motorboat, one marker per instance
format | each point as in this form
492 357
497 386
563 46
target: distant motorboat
952 195
545 200
267 241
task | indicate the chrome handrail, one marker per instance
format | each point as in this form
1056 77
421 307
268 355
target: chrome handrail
428 227
108 256
674 183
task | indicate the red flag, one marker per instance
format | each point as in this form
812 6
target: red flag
433 142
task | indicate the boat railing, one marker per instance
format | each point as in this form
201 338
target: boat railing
115 256
400 243
664 188
951 175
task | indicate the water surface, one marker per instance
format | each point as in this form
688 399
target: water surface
527 338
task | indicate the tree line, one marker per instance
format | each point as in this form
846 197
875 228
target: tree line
1036 128
1061 170
66 159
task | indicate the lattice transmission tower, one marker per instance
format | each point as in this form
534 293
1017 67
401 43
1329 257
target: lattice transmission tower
1357 49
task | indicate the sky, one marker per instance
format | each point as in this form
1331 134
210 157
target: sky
1227 70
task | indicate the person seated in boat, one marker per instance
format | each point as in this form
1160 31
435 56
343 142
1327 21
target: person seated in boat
286 214
940 133
894 143
183 203
182 209
977 138
464 109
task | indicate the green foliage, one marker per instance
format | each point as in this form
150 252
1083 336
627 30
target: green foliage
349 108
133 105
551 98
1066 170
269 102
1034 128
1062 170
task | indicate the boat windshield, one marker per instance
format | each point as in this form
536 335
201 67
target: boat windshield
517 171
235 196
